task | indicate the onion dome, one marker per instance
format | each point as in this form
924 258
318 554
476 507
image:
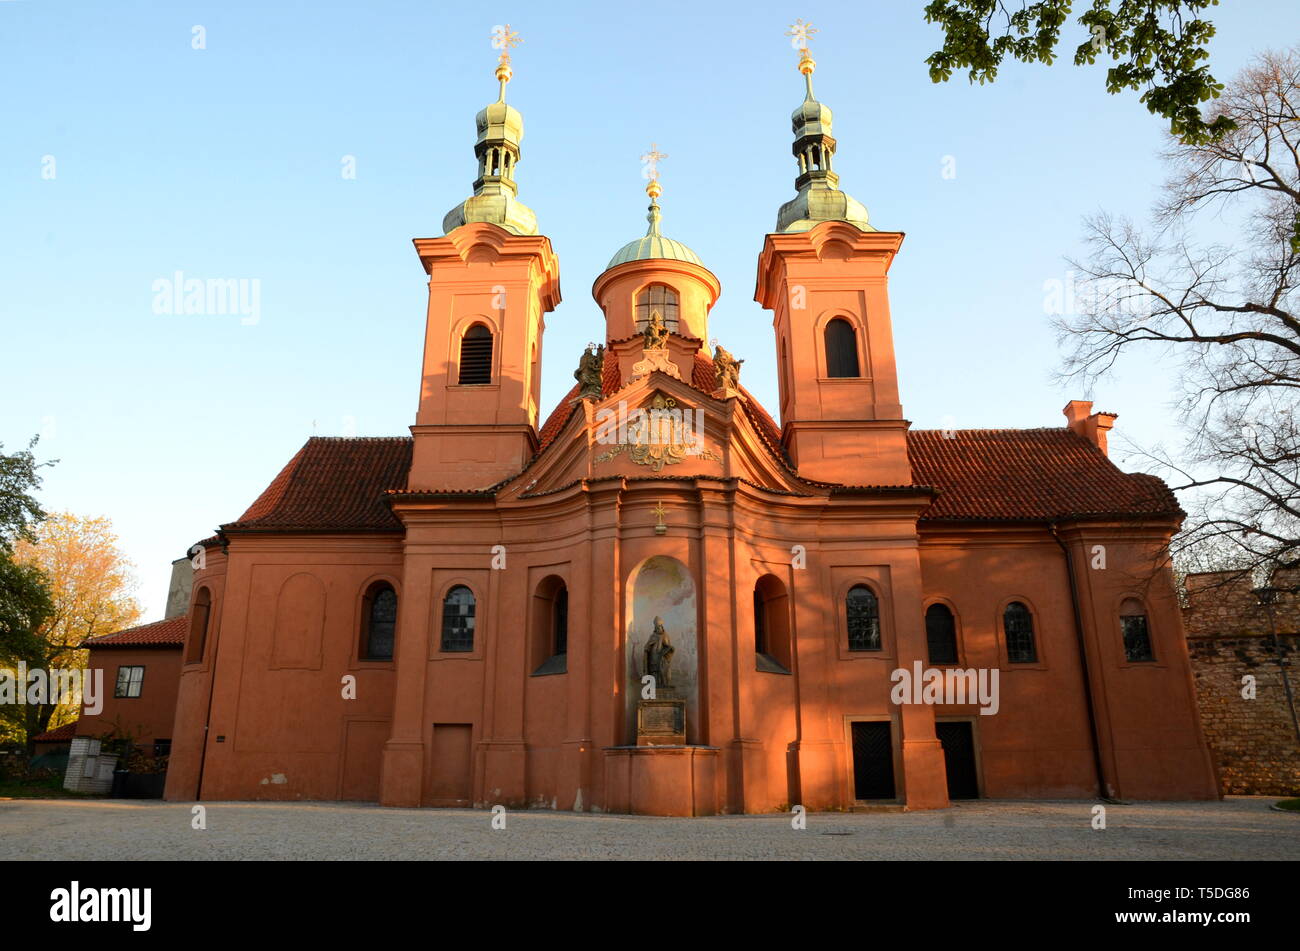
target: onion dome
819 197
500 129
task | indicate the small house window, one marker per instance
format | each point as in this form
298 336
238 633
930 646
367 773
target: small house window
458 620
863 615
1018 625
1137 633
476 356
841 349
129 681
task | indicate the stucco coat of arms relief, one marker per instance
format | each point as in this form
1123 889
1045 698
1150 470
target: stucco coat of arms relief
662 434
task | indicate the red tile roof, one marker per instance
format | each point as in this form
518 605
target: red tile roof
63 734
1029 474
167 633
333 484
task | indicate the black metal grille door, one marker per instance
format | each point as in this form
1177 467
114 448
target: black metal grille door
873 761
958 743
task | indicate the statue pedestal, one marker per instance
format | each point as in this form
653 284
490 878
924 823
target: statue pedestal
662 721
652 360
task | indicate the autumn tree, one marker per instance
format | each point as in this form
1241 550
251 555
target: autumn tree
1210 285
91 593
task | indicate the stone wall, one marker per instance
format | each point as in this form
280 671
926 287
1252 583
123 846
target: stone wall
1253 742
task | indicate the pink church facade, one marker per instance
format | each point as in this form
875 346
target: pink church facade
460 617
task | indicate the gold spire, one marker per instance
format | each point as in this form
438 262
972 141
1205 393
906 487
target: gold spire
504 39
800 33
650 170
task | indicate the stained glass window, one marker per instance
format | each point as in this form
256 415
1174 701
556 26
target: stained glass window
863 619
1018 625
458 619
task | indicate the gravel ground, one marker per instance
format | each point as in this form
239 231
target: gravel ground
1237 828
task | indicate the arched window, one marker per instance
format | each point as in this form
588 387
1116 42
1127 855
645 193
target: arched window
200 614
841 349
863 616
772 625
458 619
378 622
658 297
941 634
476 356
1018 625
1137 635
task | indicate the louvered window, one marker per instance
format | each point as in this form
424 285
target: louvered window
476 356
841 349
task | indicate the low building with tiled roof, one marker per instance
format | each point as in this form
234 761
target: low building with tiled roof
656 598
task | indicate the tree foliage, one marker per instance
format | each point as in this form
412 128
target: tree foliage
1157 46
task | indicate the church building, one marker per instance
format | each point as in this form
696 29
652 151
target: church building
656 599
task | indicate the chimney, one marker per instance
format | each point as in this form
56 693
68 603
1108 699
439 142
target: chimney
178 590
1091 426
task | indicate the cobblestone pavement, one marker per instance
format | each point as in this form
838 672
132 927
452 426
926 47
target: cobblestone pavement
1237 828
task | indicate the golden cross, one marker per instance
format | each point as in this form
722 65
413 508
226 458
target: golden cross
800 33
652 160
660 511
504 39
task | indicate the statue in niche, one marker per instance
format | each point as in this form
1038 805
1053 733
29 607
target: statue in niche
726 368
659 655
589 371
656 332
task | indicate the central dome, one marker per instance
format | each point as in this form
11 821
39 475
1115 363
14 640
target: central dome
654 246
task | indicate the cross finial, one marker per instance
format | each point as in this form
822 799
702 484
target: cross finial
800 33
504 39
650 170
650 162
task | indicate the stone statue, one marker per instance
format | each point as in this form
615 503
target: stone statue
588 374
659 655
726 368
655 333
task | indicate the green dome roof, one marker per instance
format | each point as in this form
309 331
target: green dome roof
654 246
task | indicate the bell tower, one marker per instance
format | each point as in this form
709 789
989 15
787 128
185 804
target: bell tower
492 280
824 275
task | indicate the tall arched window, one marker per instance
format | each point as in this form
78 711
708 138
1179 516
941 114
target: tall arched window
841 349
378 622
862 611
658 297
941 634
458 619
1137 634
1018 625
476 356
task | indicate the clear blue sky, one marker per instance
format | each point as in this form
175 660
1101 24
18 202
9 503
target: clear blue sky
225 162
